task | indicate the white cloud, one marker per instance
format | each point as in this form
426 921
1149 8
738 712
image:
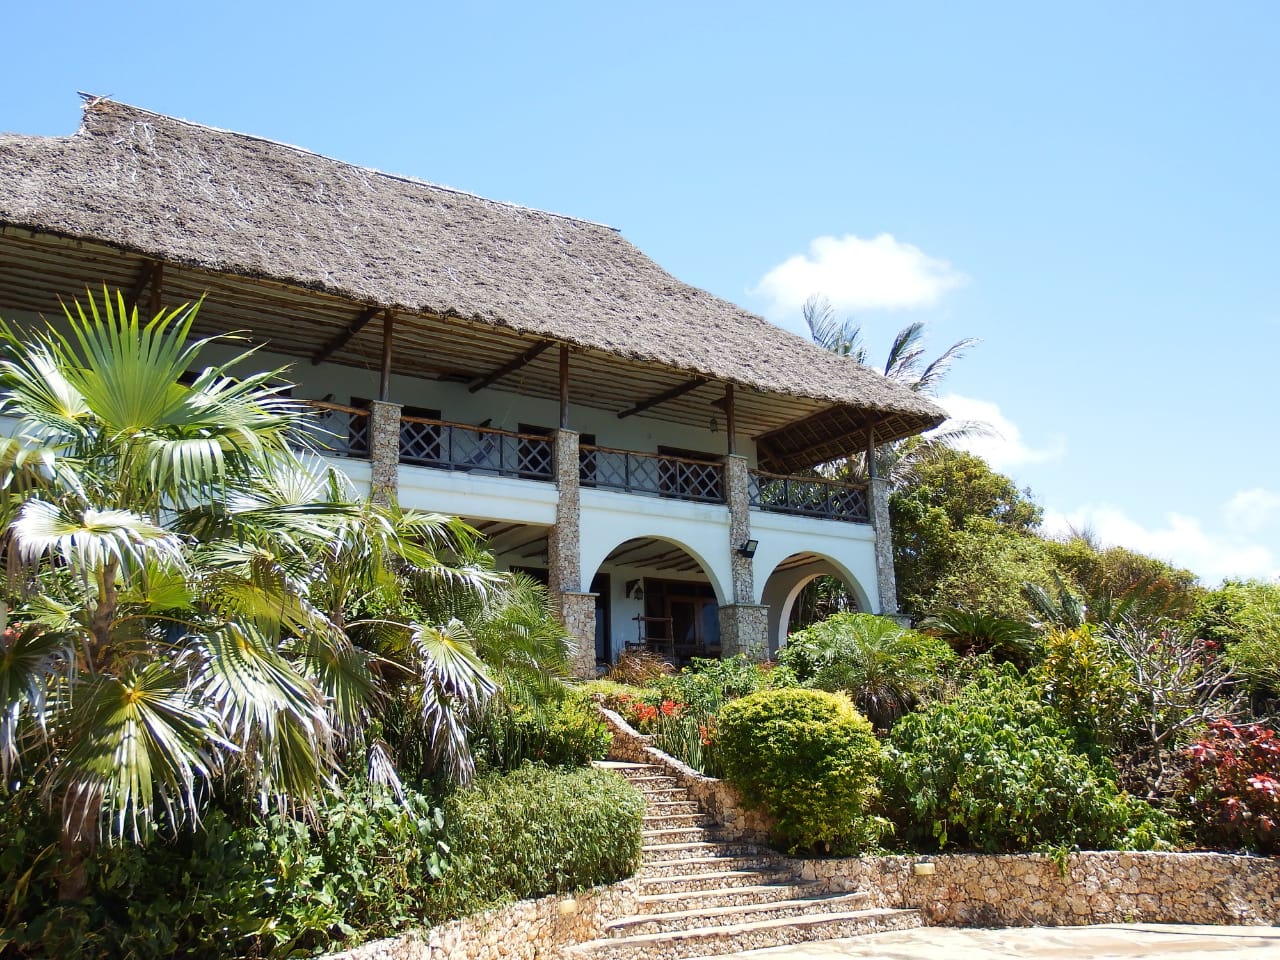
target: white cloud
1004 447
858 274
1252 510
1180 539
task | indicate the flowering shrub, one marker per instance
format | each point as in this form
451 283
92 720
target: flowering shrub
1234 786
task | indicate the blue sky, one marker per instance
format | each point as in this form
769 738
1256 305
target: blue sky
1089 188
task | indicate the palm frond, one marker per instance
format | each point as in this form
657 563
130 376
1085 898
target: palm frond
31 661
138 742
88 539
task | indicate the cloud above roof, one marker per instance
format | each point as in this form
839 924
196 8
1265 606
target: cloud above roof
882 273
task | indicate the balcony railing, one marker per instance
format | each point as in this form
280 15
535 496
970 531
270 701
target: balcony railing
809 497
457 446
338 430
651 474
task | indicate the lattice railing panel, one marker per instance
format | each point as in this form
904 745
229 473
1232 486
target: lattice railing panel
337 430
652 474
454 446
809 496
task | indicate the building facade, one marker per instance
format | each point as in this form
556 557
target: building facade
645 448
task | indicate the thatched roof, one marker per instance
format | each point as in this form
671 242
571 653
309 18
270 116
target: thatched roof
238 205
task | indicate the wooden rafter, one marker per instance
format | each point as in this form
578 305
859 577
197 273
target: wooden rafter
677 391
343 338
511 366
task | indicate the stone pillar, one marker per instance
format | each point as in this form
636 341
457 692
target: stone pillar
737 477
564 556
886 582
384 449
578 613
744 629
744 625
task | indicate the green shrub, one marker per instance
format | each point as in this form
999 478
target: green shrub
534 832
995 769
808 759
560 733
886 668
266 888
367 866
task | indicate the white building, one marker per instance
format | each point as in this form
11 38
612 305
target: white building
641 443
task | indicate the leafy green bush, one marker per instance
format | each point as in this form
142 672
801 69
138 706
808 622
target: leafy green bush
367 866
560 733
886 668
995 769
808 759
536 831
272 886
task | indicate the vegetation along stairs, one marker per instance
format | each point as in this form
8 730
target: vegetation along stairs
702 895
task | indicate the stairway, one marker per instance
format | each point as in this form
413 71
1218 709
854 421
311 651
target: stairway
702 896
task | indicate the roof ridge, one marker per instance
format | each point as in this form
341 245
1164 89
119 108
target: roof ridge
92 100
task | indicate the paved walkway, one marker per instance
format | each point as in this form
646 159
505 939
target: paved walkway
1133 940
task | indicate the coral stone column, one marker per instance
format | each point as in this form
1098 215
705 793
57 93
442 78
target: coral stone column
886 581
577 610
384 450
744 625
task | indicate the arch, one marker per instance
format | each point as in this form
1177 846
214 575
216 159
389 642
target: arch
653 576
790 576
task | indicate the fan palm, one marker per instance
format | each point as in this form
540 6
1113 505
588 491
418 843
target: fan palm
905 365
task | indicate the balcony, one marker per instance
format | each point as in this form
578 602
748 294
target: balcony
809 497
651 474
344 432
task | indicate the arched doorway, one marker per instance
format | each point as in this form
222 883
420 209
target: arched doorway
656 594
830 587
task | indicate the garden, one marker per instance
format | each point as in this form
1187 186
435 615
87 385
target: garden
247 713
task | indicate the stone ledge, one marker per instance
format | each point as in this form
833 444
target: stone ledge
974 890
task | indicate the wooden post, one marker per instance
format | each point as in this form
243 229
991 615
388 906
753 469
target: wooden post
731 421
388 327
564 387
157 287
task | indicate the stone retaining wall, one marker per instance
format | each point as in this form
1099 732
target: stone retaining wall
716 798
526 930
1032 889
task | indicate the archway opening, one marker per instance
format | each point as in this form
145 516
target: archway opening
804 589
657 597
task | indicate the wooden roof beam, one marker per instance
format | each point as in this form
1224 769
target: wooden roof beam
677 391
343 338
511 366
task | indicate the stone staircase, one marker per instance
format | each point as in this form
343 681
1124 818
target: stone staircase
700 895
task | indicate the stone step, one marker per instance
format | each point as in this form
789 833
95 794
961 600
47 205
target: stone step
772 890
690 849
666 794
679 821
732 914
714 860
710 880
736 938
666 835
665 807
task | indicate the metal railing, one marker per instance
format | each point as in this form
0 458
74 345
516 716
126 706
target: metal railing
458 446
651 474
809 497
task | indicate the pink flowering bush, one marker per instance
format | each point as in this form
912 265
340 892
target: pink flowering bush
1233 784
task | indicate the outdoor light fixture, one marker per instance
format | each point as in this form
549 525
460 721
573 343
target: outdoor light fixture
748 548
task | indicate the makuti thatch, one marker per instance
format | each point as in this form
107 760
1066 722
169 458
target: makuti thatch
235 204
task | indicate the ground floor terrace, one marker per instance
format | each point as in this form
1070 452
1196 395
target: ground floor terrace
682 556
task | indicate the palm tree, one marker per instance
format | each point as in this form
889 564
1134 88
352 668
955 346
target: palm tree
905 365
180 576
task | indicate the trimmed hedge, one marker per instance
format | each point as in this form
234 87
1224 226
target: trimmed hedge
809 760
367 867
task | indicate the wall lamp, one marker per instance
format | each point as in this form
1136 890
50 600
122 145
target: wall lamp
748 548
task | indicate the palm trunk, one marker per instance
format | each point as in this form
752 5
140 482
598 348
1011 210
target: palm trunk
80 811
